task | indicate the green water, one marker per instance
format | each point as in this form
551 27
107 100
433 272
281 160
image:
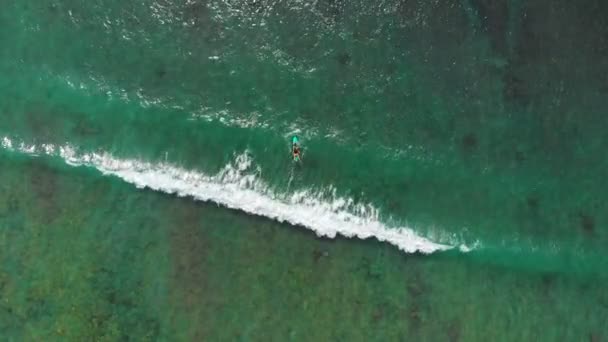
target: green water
473 123
164 268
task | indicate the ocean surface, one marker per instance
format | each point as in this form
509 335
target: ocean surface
452 185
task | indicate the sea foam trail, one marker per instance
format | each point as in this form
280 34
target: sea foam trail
237 187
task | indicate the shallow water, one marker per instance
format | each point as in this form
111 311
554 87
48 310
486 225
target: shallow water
470 132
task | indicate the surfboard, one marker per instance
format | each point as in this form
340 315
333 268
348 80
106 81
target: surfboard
294 141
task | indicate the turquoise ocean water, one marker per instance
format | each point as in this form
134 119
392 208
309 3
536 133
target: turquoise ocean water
452 185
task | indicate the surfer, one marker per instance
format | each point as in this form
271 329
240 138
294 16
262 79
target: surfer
295 149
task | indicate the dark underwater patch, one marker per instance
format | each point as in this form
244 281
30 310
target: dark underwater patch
469 141
43 182
533 203
344 58
160 72
494 16
515 90
586 222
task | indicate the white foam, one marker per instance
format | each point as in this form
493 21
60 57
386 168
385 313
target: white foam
7 143
238 186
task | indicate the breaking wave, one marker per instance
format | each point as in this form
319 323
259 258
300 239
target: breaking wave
238 186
